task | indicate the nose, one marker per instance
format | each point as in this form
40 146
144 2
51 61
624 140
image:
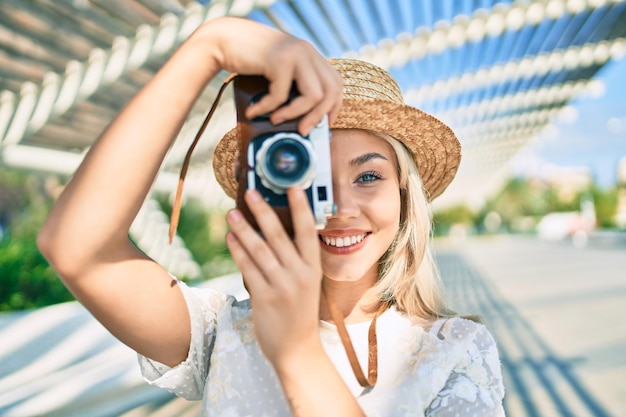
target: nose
346 205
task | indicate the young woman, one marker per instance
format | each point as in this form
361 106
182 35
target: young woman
346 321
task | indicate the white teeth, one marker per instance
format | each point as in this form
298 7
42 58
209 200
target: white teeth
341 242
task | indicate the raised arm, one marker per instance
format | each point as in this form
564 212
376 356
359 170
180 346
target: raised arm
85 237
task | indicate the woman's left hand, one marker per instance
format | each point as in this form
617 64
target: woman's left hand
282 276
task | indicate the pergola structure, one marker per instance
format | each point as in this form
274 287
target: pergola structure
497 71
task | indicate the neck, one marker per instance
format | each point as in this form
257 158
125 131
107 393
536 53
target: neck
356 300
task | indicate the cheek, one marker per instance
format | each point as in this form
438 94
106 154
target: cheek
387 209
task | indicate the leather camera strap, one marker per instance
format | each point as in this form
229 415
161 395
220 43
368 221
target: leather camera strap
175 216
372 342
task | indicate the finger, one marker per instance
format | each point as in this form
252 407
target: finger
299 106
254 280
273 231
256 248
310 91
330 101
306 236
336 93
320 87
277 95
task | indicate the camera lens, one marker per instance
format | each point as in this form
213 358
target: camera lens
285 161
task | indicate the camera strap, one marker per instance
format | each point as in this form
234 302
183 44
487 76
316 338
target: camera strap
372 342
174 218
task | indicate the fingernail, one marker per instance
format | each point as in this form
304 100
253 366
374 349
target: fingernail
296 192
305 129
253 195
251 112
234 216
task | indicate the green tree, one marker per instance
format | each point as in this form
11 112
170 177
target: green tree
27 281
605 204
203 232
528 198
460 214
520 197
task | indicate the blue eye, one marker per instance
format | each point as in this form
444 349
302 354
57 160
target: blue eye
368 177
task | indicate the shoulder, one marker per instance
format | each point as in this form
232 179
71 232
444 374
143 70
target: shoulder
476 348
474 385
458 329
471 340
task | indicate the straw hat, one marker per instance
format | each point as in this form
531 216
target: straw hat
372 100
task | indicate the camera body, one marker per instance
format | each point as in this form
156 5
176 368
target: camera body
273 158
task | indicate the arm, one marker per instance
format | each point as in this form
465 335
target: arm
284 279
85 237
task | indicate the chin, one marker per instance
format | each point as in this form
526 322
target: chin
347 273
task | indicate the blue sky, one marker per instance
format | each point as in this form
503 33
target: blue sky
593 135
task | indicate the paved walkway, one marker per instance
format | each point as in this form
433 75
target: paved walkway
557 313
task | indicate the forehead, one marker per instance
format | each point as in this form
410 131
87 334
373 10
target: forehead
348 143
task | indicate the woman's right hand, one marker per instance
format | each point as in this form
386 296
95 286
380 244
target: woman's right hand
250 48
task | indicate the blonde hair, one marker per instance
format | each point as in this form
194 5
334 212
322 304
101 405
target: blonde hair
408 275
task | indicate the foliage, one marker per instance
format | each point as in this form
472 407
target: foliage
27 281
444 219
605 201
522 199
203 232
527 198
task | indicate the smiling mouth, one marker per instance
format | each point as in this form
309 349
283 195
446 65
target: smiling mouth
342 242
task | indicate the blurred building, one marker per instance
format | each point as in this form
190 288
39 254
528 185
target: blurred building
570 181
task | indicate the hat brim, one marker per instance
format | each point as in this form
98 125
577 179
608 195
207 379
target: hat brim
434 146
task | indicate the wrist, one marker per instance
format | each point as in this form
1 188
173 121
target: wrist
209 40
202 52
299 360
307 375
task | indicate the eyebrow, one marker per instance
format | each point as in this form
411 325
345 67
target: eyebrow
360 160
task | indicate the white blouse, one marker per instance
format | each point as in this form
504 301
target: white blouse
449 369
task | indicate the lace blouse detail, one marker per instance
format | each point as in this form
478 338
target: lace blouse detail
451 368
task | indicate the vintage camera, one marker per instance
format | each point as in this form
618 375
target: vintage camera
273 158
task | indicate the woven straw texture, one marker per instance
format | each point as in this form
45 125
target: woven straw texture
372 100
